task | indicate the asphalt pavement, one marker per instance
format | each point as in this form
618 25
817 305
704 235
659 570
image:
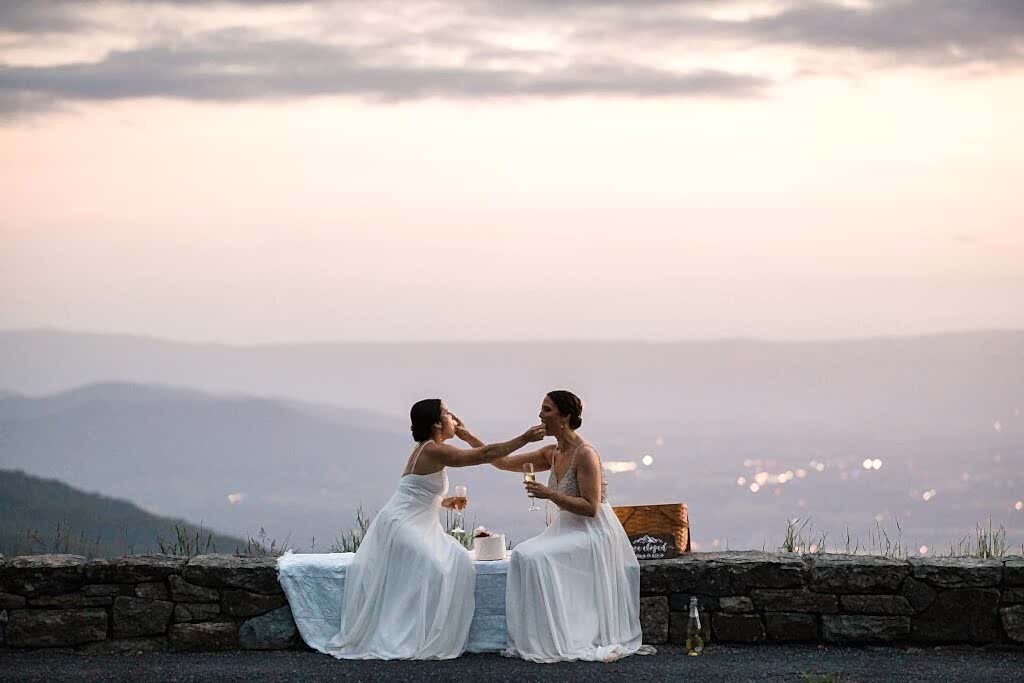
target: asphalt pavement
806 663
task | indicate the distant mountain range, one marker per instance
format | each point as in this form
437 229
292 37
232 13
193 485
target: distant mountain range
257 439
243 462
956 384
44 515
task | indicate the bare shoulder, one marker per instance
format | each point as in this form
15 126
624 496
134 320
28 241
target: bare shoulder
587 454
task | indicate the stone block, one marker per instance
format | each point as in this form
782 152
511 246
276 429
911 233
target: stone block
858 629
253 574
99 590
183 591
919 594
737 628
856 574
63 601
196 611
791 626
239 603
654 619
134 569
888 605
1011 596
959 615
678 622
11 601
42 575
152 591
1014 572
140 617
958 572
736 604
55 628
1013 622
204 637
800 600
723 573
272 631
128 646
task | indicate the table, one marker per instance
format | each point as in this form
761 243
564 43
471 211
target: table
315 587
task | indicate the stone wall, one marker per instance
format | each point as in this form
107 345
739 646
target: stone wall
751 597
143 603
222 602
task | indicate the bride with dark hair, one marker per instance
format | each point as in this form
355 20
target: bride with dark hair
574 590
409 592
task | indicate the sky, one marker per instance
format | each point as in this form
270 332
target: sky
274 171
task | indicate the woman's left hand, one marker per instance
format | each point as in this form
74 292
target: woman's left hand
539 490
448 502
461 430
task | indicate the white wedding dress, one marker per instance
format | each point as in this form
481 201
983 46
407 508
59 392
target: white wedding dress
409 592
574 591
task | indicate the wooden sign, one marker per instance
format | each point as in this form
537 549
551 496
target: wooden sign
656 531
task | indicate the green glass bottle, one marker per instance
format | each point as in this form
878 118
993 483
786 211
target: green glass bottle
694 639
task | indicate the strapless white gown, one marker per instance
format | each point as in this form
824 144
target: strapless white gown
409 592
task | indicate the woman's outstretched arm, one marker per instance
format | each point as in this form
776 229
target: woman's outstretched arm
451 456
540 458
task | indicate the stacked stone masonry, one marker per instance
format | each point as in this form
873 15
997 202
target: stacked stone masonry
222 602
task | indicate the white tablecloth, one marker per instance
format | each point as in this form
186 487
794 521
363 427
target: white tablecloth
315 587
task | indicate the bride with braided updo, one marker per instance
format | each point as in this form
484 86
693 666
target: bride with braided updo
574 590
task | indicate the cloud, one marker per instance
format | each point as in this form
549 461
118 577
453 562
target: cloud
933 31
246 65
473 49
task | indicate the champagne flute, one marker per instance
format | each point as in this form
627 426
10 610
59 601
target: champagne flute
528 475
461 500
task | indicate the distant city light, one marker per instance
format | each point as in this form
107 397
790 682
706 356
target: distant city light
647 460
923 550
997 425
761 478
928 495
660 441
866 464
741 481
801 473
619 466
235 497
1019 505
876 464
755 487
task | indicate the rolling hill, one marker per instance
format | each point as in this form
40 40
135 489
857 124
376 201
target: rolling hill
44 515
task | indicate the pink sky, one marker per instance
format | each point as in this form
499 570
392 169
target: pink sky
258 172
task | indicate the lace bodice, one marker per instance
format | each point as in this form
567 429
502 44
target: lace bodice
569 485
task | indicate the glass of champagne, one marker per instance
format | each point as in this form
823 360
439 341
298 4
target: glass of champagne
528 475
459 501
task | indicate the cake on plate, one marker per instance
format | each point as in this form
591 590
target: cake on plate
488 545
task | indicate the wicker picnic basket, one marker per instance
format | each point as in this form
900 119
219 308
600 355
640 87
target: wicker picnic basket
656 531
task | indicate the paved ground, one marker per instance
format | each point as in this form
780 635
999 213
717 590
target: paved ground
720 663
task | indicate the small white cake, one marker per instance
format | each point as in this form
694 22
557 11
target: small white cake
490 547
